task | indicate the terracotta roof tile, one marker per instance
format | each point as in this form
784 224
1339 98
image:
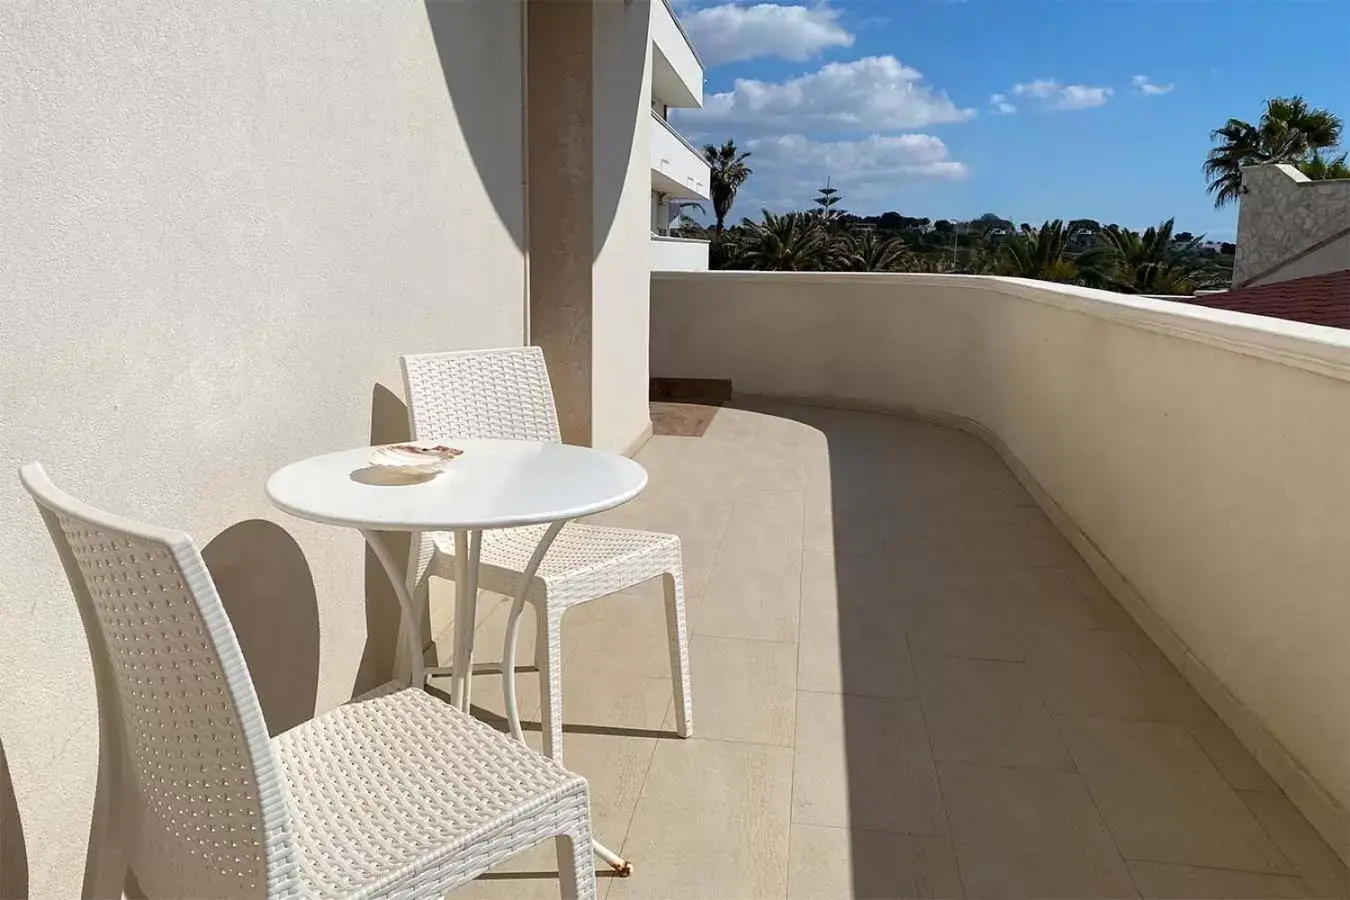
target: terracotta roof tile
1316 300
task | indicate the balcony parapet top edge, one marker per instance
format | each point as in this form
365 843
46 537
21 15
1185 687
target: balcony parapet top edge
1314 348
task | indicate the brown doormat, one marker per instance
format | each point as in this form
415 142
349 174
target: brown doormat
690 390
683 419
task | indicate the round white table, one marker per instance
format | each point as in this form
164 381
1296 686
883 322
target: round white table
494 484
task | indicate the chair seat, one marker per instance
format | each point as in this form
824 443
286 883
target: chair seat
398 793
584 562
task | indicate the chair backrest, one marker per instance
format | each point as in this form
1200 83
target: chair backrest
203 802
480 394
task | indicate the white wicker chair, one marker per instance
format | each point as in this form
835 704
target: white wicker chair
506 394
395 794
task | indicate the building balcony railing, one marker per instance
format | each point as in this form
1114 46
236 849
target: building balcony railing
677 71
679 170
671 253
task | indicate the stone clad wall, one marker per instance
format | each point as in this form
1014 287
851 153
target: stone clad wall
1290 226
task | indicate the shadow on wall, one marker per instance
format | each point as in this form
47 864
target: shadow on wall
268 591
476 43
621 47
388 424
479 50
13 850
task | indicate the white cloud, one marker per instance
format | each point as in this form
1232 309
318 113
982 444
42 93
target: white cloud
731 32
1148 88
1053 96
1000 104
790 167
876 93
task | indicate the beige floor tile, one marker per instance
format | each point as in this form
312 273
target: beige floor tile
712 822
1179 703
1090 675
623 634
1319 866
1019 536
531 875
594 705
1167 881
848 526
693 519
1021 833
754 591
835 863
698 559
1234 761
1141 648
614 763
744 690
1046 598
943 615
852 636
486 693
864 763
490 607
985 711
605 741
798 426
846 582
1163 799
772 465
731 424
766 518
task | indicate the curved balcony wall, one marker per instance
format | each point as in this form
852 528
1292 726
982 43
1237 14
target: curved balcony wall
1196 458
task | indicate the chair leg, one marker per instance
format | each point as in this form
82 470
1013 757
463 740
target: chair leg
548 657
576 866
677 633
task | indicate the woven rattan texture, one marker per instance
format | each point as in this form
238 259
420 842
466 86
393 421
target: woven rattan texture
197 826
396 794
506 394
392 794
481 394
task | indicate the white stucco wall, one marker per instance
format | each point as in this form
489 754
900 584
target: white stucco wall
1198 455
621 276
222 224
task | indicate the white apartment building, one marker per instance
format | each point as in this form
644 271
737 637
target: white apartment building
679 170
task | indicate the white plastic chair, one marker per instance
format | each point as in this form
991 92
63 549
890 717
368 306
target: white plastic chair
395 794
506 394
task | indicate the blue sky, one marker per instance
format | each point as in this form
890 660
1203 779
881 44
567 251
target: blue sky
1029 109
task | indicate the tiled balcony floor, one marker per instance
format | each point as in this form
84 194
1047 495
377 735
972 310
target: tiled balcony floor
906 684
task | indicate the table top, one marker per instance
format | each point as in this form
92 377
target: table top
494 484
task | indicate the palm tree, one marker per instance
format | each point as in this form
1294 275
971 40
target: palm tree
728 173
980 261
1150 263
866 252
792 242
1287 132
1320 168
1038 253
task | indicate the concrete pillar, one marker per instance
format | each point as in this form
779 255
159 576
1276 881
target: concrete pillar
559 156
588 190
